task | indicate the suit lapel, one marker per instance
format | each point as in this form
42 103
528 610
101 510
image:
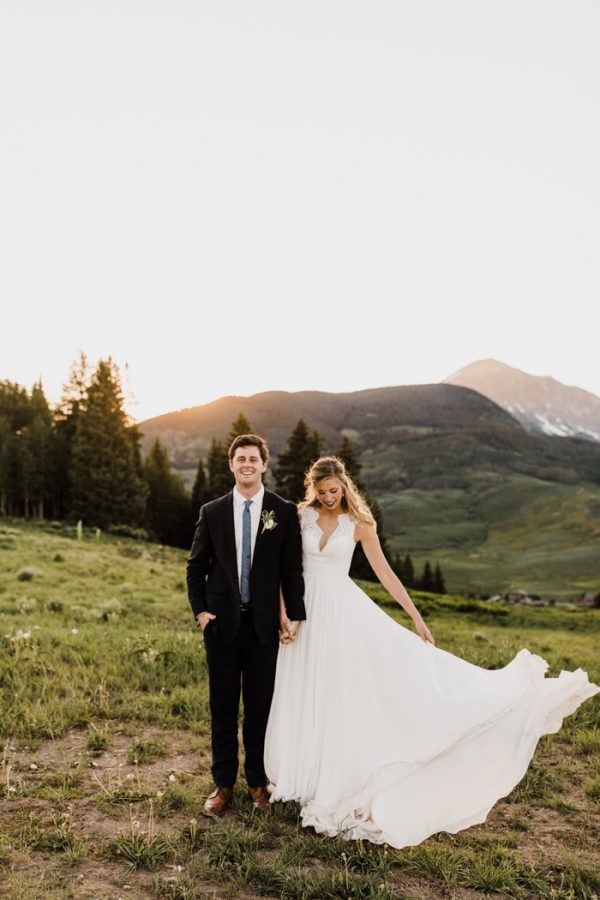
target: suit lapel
229 551
261 534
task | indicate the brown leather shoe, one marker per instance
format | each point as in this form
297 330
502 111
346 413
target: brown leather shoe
218 801
260 798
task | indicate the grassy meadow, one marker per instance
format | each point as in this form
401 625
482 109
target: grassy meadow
105 750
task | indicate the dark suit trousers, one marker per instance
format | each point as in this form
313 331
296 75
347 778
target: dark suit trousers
248 665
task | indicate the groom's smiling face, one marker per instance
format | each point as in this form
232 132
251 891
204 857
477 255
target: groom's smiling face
247 467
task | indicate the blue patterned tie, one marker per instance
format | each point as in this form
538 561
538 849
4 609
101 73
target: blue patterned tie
246 552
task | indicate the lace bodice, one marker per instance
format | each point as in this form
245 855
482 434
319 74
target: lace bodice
333 561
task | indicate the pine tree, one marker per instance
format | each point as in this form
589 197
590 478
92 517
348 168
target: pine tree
66 420
348 453
360 567
167 506
26 450
220 479
426 580
38 456
398 566
439 585
409 571
12 474
15 416
239 426
15 405
106 487
200 488
303 448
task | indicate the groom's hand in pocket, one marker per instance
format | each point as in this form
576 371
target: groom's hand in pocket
204 618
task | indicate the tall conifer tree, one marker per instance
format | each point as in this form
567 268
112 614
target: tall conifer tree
220 479
66 420
409 571
239 426
439 585
348 453
199 490
39 456
15 405
302 449
12 475
426 580
167 506
106 487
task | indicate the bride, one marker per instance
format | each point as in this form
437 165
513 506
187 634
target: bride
375 731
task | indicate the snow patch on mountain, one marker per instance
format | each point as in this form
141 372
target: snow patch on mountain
539 403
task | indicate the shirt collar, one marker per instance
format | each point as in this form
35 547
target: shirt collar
239 499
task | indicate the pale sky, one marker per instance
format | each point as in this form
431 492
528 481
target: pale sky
240 196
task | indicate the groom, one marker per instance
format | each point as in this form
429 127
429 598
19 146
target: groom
246 548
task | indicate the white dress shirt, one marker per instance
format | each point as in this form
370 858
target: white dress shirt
238 512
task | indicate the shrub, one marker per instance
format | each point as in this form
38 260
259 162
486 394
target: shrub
137 534
28 574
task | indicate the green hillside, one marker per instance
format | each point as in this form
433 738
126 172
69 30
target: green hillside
498 508
458 479
507 532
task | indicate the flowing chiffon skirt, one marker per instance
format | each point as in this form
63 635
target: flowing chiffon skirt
383 737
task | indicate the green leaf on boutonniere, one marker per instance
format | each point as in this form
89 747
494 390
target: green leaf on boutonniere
268 520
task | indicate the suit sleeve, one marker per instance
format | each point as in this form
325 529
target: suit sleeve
292 581
198 565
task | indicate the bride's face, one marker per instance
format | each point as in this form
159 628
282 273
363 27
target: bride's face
330 493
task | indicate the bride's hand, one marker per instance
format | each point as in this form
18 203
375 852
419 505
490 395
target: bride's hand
424 632
284 629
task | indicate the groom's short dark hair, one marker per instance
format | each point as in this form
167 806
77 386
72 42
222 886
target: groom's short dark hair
250 440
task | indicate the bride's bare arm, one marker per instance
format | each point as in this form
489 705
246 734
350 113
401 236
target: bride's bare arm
367 535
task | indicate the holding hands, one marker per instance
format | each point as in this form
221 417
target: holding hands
288 629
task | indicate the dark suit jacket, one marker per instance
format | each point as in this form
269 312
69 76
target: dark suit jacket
212 575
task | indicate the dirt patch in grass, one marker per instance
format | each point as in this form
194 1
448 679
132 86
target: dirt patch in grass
72 798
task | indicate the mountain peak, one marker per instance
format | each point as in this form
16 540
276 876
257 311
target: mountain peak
539 402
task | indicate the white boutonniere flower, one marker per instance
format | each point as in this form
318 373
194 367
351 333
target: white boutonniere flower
268 520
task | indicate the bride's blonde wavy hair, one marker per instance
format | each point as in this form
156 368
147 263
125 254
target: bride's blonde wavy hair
353 501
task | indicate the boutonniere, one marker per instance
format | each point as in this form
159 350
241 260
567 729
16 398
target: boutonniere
269 522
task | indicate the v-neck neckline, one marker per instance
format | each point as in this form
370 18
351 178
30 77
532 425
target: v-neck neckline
328 541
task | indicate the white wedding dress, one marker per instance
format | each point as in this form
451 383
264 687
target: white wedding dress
381 736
